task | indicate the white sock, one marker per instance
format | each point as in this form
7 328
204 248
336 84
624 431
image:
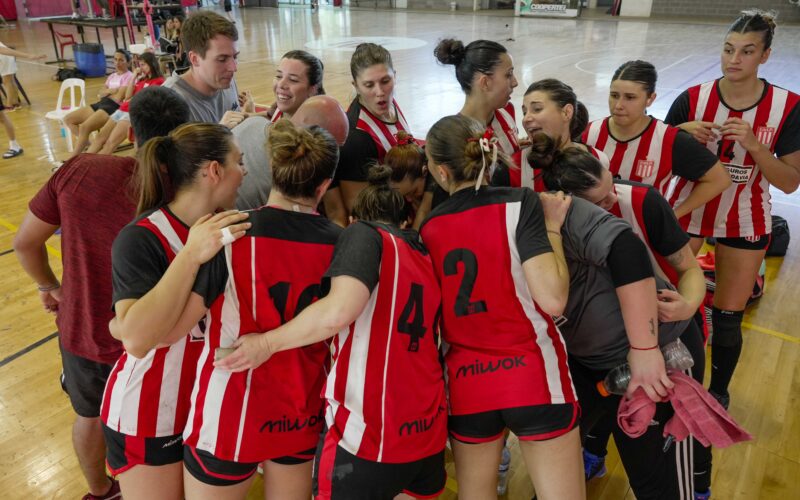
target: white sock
14 145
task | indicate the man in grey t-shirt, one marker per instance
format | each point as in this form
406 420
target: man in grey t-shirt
253 133
208 87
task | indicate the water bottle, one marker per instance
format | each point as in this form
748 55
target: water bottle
676 357
502 471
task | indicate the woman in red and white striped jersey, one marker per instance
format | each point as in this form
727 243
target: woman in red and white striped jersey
754 129
549 107
375 119
298 77
271 415
154 260
386 411
644 149
499 259
485 72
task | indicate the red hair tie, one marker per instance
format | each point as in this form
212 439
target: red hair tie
404 141
488 134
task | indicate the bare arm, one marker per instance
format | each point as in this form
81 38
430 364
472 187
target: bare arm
706 188
145 322
547 274
22 55
423 210
321 320
639 313
29 246
683 304
334 207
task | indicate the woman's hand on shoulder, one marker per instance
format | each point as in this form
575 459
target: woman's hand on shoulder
555 207
206 235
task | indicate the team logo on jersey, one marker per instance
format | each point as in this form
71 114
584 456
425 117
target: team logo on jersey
479 368
644 168
288 424
420 425
765 135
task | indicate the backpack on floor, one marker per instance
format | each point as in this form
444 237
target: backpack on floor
64 73
779 242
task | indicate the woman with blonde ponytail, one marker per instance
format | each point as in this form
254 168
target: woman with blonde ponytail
386 407
498 256
272 415
155 260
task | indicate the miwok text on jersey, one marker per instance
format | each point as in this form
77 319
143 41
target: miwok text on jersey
479 367
286 424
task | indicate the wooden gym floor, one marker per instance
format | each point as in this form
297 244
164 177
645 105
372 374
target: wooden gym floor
36 457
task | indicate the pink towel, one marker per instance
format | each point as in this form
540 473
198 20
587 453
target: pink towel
696 413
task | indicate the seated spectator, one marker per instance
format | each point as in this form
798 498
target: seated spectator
82 122
116 129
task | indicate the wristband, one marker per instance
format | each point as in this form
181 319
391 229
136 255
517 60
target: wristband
644 348
49 288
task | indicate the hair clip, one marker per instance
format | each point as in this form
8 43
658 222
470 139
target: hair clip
403 141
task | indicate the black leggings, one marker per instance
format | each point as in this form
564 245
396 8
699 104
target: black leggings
653 474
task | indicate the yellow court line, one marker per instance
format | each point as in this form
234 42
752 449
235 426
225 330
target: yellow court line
11 227
451 485
773 333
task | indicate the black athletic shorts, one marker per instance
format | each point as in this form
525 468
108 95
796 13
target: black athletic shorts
749 243
340 475
124 451
84 381
209 469
106 104
529 423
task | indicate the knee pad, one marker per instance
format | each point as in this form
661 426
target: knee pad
727 327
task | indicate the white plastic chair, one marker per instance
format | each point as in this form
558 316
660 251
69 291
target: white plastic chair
58 114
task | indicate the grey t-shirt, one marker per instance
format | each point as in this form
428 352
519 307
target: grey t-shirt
594 330
203 108
252 136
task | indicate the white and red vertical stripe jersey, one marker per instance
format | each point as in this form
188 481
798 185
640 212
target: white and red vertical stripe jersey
503 350
384 134
385 393
744 209
646 158
631 201
530 177
270 275
149 397
504 125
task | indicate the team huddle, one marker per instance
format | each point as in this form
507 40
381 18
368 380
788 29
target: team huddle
378 296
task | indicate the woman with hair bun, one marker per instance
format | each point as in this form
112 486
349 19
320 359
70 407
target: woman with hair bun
155 260
409 176
386 409
375 120
652 220
644 149
485 72
271 415
753 127
549 107
506 360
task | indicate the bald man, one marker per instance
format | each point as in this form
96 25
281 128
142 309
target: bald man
252 134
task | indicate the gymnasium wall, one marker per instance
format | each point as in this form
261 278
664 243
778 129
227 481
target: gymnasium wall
724 8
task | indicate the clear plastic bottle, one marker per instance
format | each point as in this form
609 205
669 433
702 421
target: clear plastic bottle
676 357
502 471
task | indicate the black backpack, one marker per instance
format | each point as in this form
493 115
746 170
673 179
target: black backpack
779 242
64 73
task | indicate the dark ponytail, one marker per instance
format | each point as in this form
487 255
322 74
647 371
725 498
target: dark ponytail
378 201
168 164
480 56
756 21
571 170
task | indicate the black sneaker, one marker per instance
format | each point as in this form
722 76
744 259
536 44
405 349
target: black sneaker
723 399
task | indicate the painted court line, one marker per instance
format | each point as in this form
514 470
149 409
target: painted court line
28 349
772 333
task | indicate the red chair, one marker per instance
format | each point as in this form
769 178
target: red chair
64 40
